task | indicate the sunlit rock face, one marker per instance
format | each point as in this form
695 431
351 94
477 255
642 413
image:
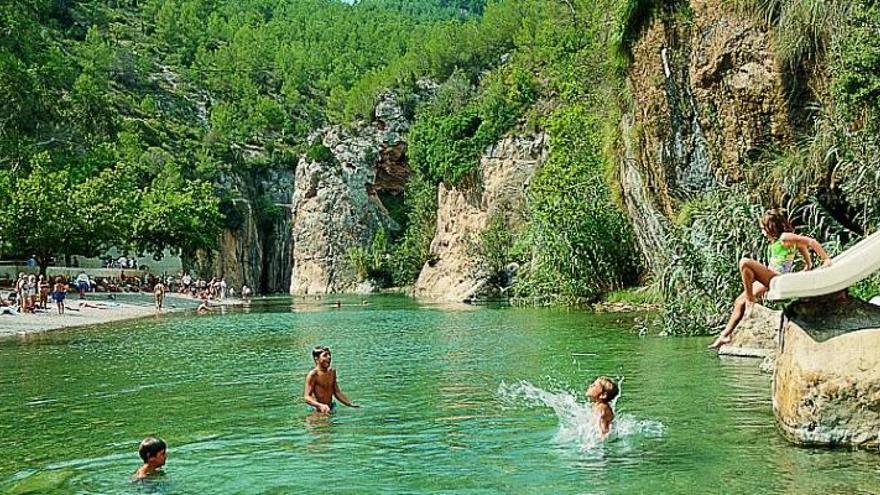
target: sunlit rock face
254 245
337 200
707 95
827 392
755 336
453 272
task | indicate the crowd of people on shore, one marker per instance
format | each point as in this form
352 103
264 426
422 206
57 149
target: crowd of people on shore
31 293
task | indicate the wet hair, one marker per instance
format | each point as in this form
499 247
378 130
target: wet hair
775 222
318 350
151 447
609 386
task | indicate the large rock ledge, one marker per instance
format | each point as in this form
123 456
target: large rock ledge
826 384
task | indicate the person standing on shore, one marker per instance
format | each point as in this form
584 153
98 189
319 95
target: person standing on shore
59 293
43 291
159 293
82 284
19 291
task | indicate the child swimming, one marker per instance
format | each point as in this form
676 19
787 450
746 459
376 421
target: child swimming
321 385
756 277
602 392
153 452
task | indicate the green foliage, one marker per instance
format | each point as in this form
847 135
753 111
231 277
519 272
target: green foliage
639 295
447 139
701 279
497 246
413 248
371 262
581 243
632 17
803 28
855 62
317 152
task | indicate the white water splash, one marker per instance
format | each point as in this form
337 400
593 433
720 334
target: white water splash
577 421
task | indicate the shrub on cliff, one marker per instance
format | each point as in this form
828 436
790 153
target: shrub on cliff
581 243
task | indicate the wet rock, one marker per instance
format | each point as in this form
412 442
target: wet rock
707 95
826 385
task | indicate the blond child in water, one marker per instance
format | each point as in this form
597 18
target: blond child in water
602 392
756 277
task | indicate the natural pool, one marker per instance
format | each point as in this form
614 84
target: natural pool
454 401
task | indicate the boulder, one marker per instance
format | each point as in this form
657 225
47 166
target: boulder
826 382
755 336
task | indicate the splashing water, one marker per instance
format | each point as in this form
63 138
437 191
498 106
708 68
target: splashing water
577 421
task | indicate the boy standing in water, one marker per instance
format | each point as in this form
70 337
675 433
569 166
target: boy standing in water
321 385
602 392
152 451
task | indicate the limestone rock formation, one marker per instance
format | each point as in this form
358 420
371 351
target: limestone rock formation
826 385
254 248
755 336
454 272
336 203
707 95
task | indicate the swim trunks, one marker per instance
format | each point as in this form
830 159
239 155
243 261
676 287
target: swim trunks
58 296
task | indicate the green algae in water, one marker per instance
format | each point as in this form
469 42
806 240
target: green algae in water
225 392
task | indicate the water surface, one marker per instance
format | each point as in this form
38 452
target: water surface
454 401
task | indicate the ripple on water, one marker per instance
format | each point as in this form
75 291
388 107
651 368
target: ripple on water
577 422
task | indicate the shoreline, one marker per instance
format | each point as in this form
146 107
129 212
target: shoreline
12 326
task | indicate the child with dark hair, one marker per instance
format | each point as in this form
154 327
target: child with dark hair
153 452
59 294
756 277
321 385
602 392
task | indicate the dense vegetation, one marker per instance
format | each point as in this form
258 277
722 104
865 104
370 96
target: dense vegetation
827 178
128 123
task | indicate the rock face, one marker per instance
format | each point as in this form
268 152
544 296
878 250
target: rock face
454 272
254 249
337 199
707 95
827 392
755 336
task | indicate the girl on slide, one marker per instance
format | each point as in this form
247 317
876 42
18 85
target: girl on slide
780 254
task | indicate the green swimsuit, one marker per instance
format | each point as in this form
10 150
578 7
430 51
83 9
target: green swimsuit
781 257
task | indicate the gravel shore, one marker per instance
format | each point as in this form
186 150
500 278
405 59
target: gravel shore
129 307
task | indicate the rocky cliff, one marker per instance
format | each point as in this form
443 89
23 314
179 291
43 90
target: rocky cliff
453 271
337 201
707 95
254 246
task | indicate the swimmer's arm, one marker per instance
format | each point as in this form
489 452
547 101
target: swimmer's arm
808 258
341 396
309 393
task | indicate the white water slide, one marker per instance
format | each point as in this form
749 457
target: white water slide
848 268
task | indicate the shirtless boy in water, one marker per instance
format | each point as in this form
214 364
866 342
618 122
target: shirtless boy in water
602 392
153 452
321 385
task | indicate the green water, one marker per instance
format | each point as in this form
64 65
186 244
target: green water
443 408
